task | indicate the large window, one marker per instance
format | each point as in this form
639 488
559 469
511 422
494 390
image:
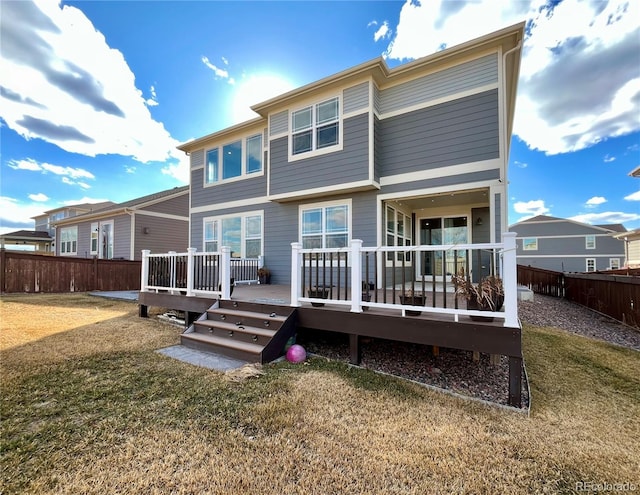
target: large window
590 242
235 159
315 127
325 226
241 233
69 240
398 232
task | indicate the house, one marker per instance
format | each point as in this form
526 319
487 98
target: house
354 190
40 240
631 240
565 245
157 222
44 223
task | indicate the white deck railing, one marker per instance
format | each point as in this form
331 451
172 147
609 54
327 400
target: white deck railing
393 270
197 273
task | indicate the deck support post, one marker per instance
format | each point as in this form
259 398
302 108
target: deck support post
143 311
515 381
355 353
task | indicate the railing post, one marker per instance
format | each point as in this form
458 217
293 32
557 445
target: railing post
225 272
172 271
260 261
296 258
509 279
144 272
356 275
190 264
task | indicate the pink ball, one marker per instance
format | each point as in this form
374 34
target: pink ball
296 354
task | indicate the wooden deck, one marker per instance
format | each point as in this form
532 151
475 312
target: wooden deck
441 330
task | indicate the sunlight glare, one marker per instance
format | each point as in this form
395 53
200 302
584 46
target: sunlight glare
256 89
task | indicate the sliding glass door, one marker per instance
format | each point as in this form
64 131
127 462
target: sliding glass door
439 231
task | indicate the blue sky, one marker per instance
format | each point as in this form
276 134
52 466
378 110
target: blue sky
95 96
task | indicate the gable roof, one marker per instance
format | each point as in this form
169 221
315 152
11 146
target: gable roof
34 235
613 227
131 205
609 228
80 206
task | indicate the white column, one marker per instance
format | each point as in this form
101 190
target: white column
144 275
356 275
190 264
296 263
225 272
172 268
510 279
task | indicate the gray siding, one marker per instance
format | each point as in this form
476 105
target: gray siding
197 158
463 77
565 264
250 187
356 97
122 237
163 235
377 154
173 206
445 180
279 123
350 164
455 132
498 218
281 228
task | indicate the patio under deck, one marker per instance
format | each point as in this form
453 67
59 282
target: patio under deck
441 330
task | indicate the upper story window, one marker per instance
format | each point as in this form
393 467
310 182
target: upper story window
234 160
590 242
315 127
530 244
69 240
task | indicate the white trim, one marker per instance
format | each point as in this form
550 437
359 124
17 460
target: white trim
566 255
361 185
586 265
430 191
445 171
243 216
229 204
436 101
161 215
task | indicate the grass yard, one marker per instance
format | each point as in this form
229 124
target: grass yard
88 407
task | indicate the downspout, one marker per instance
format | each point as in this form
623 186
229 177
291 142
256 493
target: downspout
132 233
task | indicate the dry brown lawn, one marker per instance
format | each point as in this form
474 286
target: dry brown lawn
89 407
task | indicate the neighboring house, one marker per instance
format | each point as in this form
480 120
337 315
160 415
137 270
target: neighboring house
46 221
568 246
158 222
414 155
631 240
40 240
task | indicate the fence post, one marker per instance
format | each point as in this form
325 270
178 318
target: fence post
190 263
144 277
225 272
296 257
509 279
356 275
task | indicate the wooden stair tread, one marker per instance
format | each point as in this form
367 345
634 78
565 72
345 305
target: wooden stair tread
232 327
224 342
247 314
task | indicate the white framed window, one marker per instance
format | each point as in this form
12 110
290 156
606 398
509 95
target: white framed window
614 263
69 240
315 127
530 244
591 264
399 229
325 225
234 160
95 234
590 242
241 233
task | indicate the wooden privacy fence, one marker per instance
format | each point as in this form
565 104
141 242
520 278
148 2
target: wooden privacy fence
615 295
27 272
540 281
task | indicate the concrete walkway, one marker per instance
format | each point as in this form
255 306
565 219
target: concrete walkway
207 360
126 295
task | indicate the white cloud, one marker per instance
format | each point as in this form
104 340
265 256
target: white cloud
382 33
609 158
17 215
633 196
219 73
153 101
595 201
520 164
531 208
606 217
40 197
563 103
69 175
62 83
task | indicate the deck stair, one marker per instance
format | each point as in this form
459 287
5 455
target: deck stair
248 331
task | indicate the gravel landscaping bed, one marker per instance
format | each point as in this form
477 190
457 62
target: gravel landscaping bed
455 370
